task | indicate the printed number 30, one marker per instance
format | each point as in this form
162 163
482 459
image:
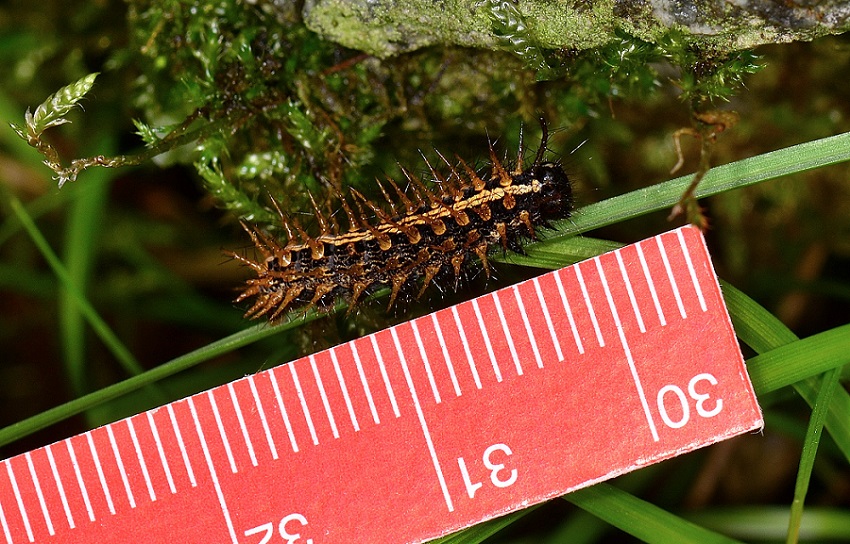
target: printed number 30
700 398
289 538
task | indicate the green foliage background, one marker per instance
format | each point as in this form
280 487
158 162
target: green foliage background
116 296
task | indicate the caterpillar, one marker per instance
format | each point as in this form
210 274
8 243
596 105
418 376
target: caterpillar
424 235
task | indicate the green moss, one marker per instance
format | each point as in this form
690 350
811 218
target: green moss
273 110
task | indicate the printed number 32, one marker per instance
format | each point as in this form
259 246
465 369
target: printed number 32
283 528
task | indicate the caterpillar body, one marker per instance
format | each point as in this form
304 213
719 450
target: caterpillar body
425 235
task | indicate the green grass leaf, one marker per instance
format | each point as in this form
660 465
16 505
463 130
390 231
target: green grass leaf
640 518
810 450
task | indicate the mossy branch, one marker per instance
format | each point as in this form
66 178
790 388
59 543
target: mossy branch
52 113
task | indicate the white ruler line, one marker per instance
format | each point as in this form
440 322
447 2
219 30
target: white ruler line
303 402
222 432
549 325
19 500
446 357
631 292
324 396
589 305
645 267
161 452
487 344
282 408
669 270
365 384
425 362
691 269
422 421
130 498
511 346
211 468
465 342
39 494
6 531
100 475
626 349
566 304
60 487
262 413
248 444
79 475
384 375
528 329
183 453
142 463
345 395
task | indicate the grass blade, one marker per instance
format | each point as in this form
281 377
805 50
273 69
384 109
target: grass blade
118 349
799 360
82 232
783 162
641 519
810 449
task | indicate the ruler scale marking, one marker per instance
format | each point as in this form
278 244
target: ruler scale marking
282 408
580 278
82 485
547 316
6 532
34 479
673 285
528 330
142 464
222 433
325 401
481 454
262 413
426 363
651 284
384 375
624 342
483 327
101 477
446 356
161 452
341 380
19 500
501 313
183 453
424 425
121 470
567 307
630 290
60 488
694 280
472 367
303 402
211 467
366 389
241 419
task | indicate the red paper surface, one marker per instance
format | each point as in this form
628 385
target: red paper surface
419 430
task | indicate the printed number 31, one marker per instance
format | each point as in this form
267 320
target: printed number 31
497 470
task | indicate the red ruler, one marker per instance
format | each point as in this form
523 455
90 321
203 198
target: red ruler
419 430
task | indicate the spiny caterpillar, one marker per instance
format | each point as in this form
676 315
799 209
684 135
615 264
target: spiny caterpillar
433 236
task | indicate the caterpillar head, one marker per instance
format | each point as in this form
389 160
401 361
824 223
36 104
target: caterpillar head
556 192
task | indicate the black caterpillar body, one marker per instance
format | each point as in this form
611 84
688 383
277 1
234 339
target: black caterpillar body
425 234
